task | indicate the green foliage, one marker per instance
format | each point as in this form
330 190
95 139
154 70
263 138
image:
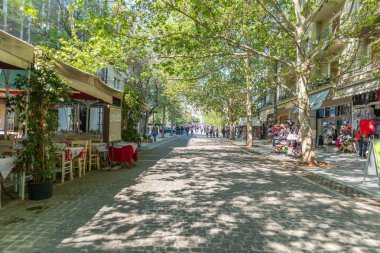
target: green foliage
214 119
130 135
132 107
132 112
43 89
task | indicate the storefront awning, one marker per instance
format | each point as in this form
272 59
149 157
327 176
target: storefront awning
316 100
356 89
88 83
14 53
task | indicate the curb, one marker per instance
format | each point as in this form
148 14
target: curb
157 143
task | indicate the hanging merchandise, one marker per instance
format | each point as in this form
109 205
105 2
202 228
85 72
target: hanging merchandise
286 139
328 133
345 139
367 127
332 111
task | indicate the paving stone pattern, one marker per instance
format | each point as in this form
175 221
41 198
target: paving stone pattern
192 195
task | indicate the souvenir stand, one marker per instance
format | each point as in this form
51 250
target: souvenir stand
328 133
286 139
366 118
345 140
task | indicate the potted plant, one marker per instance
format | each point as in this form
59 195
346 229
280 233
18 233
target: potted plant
42 89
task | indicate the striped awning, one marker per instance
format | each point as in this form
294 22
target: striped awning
358 88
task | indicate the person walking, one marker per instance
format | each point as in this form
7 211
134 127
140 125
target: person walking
206 131
217 132
212 134
154 132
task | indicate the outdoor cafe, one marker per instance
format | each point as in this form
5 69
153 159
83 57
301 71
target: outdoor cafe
89 125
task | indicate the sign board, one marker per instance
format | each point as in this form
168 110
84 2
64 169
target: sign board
373 159
112 124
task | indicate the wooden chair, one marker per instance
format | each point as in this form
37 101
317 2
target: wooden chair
93 157
80 162
65 162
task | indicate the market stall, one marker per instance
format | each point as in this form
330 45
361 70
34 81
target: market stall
286 139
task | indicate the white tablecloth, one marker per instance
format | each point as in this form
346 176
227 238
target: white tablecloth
75 151
122 144
6 166
101 147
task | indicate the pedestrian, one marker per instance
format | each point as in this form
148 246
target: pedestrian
363 145
207 132
154 132
217 132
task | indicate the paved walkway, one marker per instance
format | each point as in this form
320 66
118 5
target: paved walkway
192 195
159 141
348 170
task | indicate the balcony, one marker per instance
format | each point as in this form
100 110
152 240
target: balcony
356 75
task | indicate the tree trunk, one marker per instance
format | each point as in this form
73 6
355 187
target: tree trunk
275 107
232 132
163 123
248 104
146 123
308 154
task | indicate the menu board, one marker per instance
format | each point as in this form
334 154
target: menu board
112 124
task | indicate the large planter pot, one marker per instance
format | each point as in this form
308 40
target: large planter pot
39 191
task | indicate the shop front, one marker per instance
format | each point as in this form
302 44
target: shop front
16 57
95 107
330 118
267 120
365 111
316 101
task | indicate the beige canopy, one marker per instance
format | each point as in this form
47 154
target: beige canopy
15 53
88 83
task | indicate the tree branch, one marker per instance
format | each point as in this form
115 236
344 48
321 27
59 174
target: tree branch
228 40
196 78
201 56
253 51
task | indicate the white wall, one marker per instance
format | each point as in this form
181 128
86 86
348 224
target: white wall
95 118
64 115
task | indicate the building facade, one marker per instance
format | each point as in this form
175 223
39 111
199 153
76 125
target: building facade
354 97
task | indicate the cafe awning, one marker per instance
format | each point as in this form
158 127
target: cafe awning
358 88
88 84
316 100
14 53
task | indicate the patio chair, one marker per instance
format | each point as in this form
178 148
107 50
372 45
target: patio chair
65 162
80 162
93 157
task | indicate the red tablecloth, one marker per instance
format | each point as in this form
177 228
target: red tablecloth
123 154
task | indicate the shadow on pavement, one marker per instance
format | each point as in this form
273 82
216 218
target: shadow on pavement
205 197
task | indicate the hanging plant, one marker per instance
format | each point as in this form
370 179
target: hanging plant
42 90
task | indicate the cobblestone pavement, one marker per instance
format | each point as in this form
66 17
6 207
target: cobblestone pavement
192 195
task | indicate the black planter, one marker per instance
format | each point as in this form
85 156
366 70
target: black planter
38 191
